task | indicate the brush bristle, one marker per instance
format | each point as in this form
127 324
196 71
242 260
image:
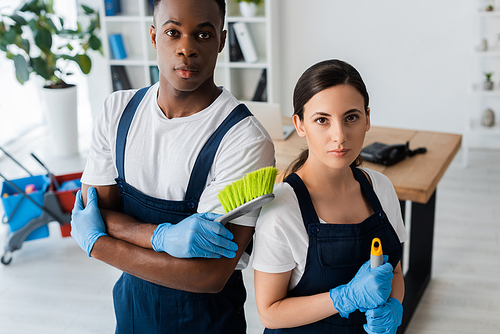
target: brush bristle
252 185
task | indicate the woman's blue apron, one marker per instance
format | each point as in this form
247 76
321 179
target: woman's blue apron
336 252
144 307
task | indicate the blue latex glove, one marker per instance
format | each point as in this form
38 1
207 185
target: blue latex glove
368 289
384 319
196 236
86 223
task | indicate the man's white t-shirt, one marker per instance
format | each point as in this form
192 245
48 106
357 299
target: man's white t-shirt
160 152
281 240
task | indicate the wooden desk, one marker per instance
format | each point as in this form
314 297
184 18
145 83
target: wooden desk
415 179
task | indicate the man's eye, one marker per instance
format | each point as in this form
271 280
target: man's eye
172 33
204 35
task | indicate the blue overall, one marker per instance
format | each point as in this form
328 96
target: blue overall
336 252
144 307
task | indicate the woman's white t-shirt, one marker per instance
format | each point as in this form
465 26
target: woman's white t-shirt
281 240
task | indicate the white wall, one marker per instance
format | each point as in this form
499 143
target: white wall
415 56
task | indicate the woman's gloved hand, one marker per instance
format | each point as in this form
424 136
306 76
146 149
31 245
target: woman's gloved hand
86 223
368 289
384 319
196 236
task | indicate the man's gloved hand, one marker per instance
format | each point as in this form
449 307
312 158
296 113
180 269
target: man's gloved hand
86 223
368 289
384 319
196 236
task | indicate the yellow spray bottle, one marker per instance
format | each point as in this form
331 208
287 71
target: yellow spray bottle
376 255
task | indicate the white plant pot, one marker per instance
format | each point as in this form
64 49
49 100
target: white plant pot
60 109
248 9
488 85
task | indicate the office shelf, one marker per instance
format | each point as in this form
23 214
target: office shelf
240 78
476 134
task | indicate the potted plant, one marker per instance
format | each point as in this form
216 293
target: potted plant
34 37
248 8
488 84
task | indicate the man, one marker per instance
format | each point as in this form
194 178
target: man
159 156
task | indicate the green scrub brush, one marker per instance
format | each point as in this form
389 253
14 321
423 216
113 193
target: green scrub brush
251 192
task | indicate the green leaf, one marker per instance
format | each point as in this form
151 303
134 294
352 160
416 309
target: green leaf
95 43
25 45
22 71
52 25
67 33
17 29
88 10
92 26
10 55
28 6
33 24
3 47
10 36
40 67
82 60
18 19
43 39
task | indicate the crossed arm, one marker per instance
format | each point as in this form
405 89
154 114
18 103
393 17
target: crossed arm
127 246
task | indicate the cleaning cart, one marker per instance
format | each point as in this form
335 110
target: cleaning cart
30 203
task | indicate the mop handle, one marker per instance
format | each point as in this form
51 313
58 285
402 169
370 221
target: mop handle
17 162
29 198
51 176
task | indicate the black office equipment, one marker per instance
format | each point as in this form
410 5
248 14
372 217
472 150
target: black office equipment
388 154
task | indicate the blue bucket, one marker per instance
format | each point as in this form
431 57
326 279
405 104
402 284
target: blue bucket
21 210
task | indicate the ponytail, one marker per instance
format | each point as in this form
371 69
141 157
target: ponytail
297 163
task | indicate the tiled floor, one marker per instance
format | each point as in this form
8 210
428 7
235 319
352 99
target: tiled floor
52 287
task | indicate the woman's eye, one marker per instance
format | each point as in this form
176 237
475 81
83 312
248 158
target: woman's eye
351 118
322 120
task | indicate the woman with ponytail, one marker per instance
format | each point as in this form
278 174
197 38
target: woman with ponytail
312 243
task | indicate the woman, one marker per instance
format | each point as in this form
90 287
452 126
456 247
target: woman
313 241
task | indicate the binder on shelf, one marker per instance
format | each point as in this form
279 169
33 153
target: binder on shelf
154 73
120 78
260 92
245 41
117 47
235 53
112 7
151 3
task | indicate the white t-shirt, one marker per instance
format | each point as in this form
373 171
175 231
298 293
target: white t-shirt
281 240
161 152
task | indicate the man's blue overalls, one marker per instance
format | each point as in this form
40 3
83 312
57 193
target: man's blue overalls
336 252
144 307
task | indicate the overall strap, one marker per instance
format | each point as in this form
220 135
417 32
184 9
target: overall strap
199 174
360 176
309 215
123 127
